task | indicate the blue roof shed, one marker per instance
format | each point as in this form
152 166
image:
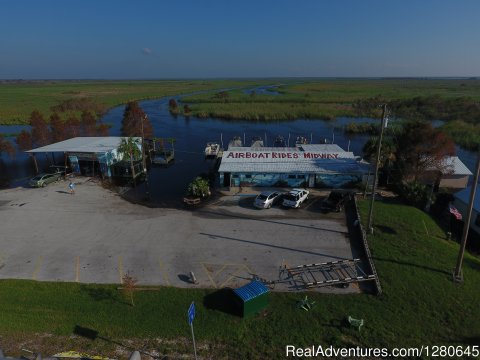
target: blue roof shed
252 298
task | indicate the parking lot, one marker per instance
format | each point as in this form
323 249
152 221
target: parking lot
95 236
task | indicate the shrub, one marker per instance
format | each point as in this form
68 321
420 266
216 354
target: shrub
199 187
415 193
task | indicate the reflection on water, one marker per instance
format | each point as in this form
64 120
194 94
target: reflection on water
263 90
191 134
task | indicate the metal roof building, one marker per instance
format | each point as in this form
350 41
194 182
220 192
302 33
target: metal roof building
305 165
82 144
456 166
91 155
455 175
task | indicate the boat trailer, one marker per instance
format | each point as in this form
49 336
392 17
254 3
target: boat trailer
310 276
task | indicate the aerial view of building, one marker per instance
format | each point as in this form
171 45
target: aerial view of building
239 179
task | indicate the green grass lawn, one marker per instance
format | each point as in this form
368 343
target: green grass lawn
18 100
419 305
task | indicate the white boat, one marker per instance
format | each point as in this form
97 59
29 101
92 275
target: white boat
301 140
235 142
257 142
212 150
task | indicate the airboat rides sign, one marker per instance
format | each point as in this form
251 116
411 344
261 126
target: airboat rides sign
322 165
283 155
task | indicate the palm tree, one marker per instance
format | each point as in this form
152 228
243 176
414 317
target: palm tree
387 153
130 146
172 141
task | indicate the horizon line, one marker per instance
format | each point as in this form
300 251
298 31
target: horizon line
471 77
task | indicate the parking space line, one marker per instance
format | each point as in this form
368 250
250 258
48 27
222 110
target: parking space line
77 269
248 269
208 274
231 277
219 271
38 264
120 268
164 273
311 203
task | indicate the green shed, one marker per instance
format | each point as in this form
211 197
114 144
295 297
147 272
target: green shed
251 298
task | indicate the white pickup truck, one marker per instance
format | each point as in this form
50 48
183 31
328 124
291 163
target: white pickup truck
295 198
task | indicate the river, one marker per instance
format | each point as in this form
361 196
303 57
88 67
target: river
169 184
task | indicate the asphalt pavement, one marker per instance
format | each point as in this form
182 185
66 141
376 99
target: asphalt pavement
95 236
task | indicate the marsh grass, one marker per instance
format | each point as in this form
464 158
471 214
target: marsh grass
18 100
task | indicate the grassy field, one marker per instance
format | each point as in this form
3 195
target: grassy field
18 100
331 98
465 134
420 305
299 98
327 99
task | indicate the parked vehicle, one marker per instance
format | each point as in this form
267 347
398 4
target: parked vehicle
295 198
42 180
62 170
266 199
336 201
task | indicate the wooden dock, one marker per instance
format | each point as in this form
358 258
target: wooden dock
163 157
191 201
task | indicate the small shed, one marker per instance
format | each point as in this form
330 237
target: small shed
251 298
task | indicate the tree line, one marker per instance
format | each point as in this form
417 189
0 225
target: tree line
422 108
43 133
54 130
412 156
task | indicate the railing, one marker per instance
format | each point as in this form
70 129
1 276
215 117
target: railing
366 248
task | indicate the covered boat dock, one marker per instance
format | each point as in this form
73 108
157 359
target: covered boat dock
93 156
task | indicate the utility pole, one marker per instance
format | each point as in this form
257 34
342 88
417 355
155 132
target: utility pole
377 165
147 187
458 275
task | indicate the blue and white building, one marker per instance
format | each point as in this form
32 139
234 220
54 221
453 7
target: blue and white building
315 165
91 155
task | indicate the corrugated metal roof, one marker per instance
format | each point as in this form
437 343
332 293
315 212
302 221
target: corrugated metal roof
82 144
274 155
346 166
290 160
322 147
251 290
456 165
248 148
464 196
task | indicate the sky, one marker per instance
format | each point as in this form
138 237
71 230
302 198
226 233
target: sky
116 39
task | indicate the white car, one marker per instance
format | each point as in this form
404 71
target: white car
266 199
295 198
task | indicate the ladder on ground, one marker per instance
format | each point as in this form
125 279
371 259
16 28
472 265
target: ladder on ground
323 274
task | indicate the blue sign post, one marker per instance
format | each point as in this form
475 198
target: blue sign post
191 316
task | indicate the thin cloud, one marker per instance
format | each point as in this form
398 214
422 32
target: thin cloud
147 51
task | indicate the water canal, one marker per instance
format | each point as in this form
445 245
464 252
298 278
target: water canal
168 185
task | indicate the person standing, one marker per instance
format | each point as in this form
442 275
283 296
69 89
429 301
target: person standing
71 186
